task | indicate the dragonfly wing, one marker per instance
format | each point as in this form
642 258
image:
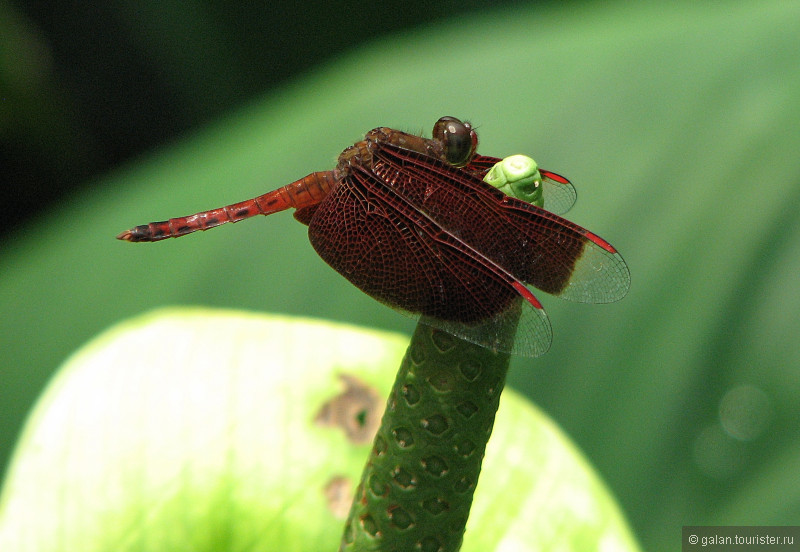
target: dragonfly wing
533 337
559 193
305 214
534 245
480 164
567 260
375 238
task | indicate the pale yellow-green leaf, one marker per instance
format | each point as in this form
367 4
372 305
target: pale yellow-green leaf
194 430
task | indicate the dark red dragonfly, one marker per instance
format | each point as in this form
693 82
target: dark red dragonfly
409 221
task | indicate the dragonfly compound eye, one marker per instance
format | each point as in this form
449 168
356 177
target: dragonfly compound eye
458 139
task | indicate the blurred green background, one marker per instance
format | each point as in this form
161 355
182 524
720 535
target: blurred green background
677 122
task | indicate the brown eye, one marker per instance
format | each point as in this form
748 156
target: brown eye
458 139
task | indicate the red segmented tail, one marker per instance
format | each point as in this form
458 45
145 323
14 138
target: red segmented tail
306 192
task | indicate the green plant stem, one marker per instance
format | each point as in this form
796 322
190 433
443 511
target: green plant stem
416 489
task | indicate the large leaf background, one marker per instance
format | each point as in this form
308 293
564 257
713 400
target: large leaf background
678 124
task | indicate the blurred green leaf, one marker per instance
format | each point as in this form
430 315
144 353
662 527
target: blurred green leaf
198 430
678 124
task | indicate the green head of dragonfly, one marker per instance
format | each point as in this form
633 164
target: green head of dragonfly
517 176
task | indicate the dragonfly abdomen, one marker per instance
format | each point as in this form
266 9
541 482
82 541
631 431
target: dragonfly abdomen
306 192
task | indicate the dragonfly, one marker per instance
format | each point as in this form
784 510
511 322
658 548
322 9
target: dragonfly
425 226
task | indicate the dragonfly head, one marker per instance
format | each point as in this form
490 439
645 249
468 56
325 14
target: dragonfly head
458 139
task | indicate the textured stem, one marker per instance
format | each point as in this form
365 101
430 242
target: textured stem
416 489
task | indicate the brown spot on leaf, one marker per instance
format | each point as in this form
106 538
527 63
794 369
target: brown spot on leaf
339 496
356 410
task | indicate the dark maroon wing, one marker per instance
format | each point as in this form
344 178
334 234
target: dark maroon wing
559 193
480 164
386 247
534 245
305 214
